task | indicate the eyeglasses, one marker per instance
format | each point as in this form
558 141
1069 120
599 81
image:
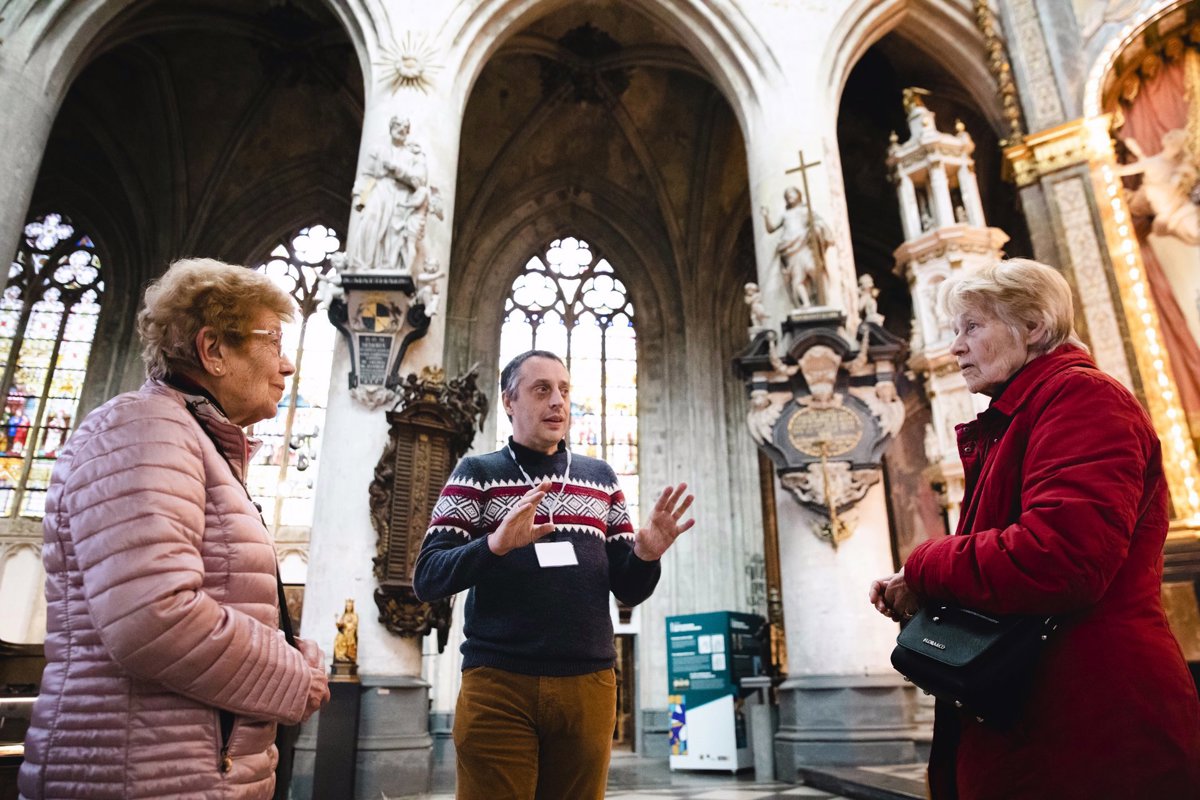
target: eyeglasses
275 336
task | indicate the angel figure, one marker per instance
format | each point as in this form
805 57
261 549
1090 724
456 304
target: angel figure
868 305
762 416
758 314
428 282
885 404
1168 182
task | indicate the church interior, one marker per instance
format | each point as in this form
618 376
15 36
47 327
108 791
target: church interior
679 197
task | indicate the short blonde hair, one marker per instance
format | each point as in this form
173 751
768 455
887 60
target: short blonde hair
198 292
1019 292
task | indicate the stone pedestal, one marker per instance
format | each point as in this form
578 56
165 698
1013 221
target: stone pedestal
337 740
844 720
394 746
844 704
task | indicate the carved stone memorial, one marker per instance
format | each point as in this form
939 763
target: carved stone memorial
388 287
825 410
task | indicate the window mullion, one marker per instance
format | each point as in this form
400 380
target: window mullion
33 296
31 438
287 427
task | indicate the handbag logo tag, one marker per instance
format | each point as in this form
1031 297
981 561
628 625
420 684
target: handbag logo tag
932 643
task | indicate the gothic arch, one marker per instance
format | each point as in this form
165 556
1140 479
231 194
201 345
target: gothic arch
598 215
943 29
55 41
720 37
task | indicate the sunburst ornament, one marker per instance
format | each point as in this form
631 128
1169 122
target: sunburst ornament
409 64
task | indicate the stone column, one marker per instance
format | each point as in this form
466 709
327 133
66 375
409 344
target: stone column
24 129
939 189
909 217
773 151
842 702
394 745
969 187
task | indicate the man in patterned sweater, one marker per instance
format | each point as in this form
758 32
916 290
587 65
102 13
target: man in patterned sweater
539 537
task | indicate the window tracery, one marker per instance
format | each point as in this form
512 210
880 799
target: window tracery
48 316
568 300
283 473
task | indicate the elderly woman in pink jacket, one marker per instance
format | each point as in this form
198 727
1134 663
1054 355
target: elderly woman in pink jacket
168 667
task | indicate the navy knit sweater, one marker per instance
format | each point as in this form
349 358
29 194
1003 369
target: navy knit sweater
520 616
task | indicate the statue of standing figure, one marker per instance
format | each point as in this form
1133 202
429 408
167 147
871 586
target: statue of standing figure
802 249
394 200
345 643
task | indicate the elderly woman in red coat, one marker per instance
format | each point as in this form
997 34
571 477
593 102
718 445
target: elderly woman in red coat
1065 513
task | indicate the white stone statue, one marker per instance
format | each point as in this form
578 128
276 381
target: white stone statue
758 314
868 305
428 281
426 200
392 192
1168 180
762 416
803 248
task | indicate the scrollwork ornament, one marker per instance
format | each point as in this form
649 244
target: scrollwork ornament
404 615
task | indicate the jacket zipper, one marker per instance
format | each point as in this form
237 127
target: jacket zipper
225 723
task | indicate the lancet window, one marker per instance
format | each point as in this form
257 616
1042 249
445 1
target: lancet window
283 474
568 300
48 315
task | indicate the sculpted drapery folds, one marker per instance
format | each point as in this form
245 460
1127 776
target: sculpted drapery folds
394 199
803 249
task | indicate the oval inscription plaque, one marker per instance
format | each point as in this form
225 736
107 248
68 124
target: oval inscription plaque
838 428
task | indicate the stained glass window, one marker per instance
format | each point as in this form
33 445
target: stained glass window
48 319
283 474
569 301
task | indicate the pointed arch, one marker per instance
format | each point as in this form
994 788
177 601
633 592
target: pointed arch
55 41
942 29
718 35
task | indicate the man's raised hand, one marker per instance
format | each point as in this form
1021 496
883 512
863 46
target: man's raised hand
517 529
663 527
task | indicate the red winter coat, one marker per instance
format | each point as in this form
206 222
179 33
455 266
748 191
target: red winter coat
1065 513
161 608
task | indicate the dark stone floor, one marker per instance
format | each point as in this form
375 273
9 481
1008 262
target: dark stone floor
631 777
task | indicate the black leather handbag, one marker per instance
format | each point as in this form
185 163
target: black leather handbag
981 663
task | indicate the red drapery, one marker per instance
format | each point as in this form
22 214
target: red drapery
1159 107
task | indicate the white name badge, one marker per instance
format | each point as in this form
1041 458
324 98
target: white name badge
555 554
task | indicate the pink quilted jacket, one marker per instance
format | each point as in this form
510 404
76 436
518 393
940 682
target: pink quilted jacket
161 609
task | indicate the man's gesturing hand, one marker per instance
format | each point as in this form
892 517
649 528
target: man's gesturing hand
517 529
663 527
